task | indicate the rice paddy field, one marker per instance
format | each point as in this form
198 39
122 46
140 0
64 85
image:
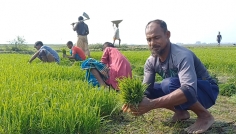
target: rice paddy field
42 98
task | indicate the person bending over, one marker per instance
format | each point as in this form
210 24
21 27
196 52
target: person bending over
75 52
45 53
117 63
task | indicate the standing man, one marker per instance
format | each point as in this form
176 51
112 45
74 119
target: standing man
45 53
75 52
186 83
116 34
82 31
218 38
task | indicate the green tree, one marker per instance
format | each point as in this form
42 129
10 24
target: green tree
19 44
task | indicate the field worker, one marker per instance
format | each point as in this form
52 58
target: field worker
186 84
82 31
116 34
45 53
118 66
218 38
75 52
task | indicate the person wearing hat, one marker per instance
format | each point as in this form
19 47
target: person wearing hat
45 53
82 31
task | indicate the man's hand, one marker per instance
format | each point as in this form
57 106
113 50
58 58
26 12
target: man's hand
145 106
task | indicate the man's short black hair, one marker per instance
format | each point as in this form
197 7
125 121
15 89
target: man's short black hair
109 44
38 43
160 22
69 43
80 18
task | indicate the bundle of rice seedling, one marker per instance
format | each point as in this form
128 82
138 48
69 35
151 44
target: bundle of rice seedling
64 51
132 91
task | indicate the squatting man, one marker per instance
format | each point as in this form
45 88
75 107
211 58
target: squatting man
186 83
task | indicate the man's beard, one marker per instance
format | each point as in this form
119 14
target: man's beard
156 53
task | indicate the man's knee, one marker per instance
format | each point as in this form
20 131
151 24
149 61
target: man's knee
207 93
43 53
168 85
46 56
154 92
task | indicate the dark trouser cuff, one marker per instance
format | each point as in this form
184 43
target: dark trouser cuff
191 98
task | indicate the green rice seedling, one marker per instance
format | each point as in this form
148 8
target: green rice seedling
64 51
132 91
49 98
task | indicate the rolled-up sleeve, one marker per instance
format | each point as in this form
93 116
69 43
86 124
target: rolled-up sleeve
188 78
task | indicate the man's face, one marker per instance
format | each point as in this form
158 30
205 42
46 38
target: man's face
37 47
69 46
157 39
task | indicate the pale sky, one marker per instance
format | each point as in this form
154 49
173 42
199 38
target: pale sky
49 20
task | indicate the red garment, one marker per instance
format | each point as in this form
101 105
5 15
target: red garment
118 64
79 51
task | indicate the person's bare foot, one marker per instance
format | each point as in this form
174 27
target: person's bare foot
201 125
179 116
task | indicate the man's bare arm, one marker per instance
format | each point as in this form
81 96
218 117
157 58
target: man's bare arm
176 97
34 56
71 57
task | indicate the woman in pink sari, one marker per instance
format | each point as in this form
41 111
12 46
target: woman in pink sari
118 64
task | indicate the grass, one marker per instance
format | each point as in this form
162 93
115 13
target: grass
50 98
156 121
